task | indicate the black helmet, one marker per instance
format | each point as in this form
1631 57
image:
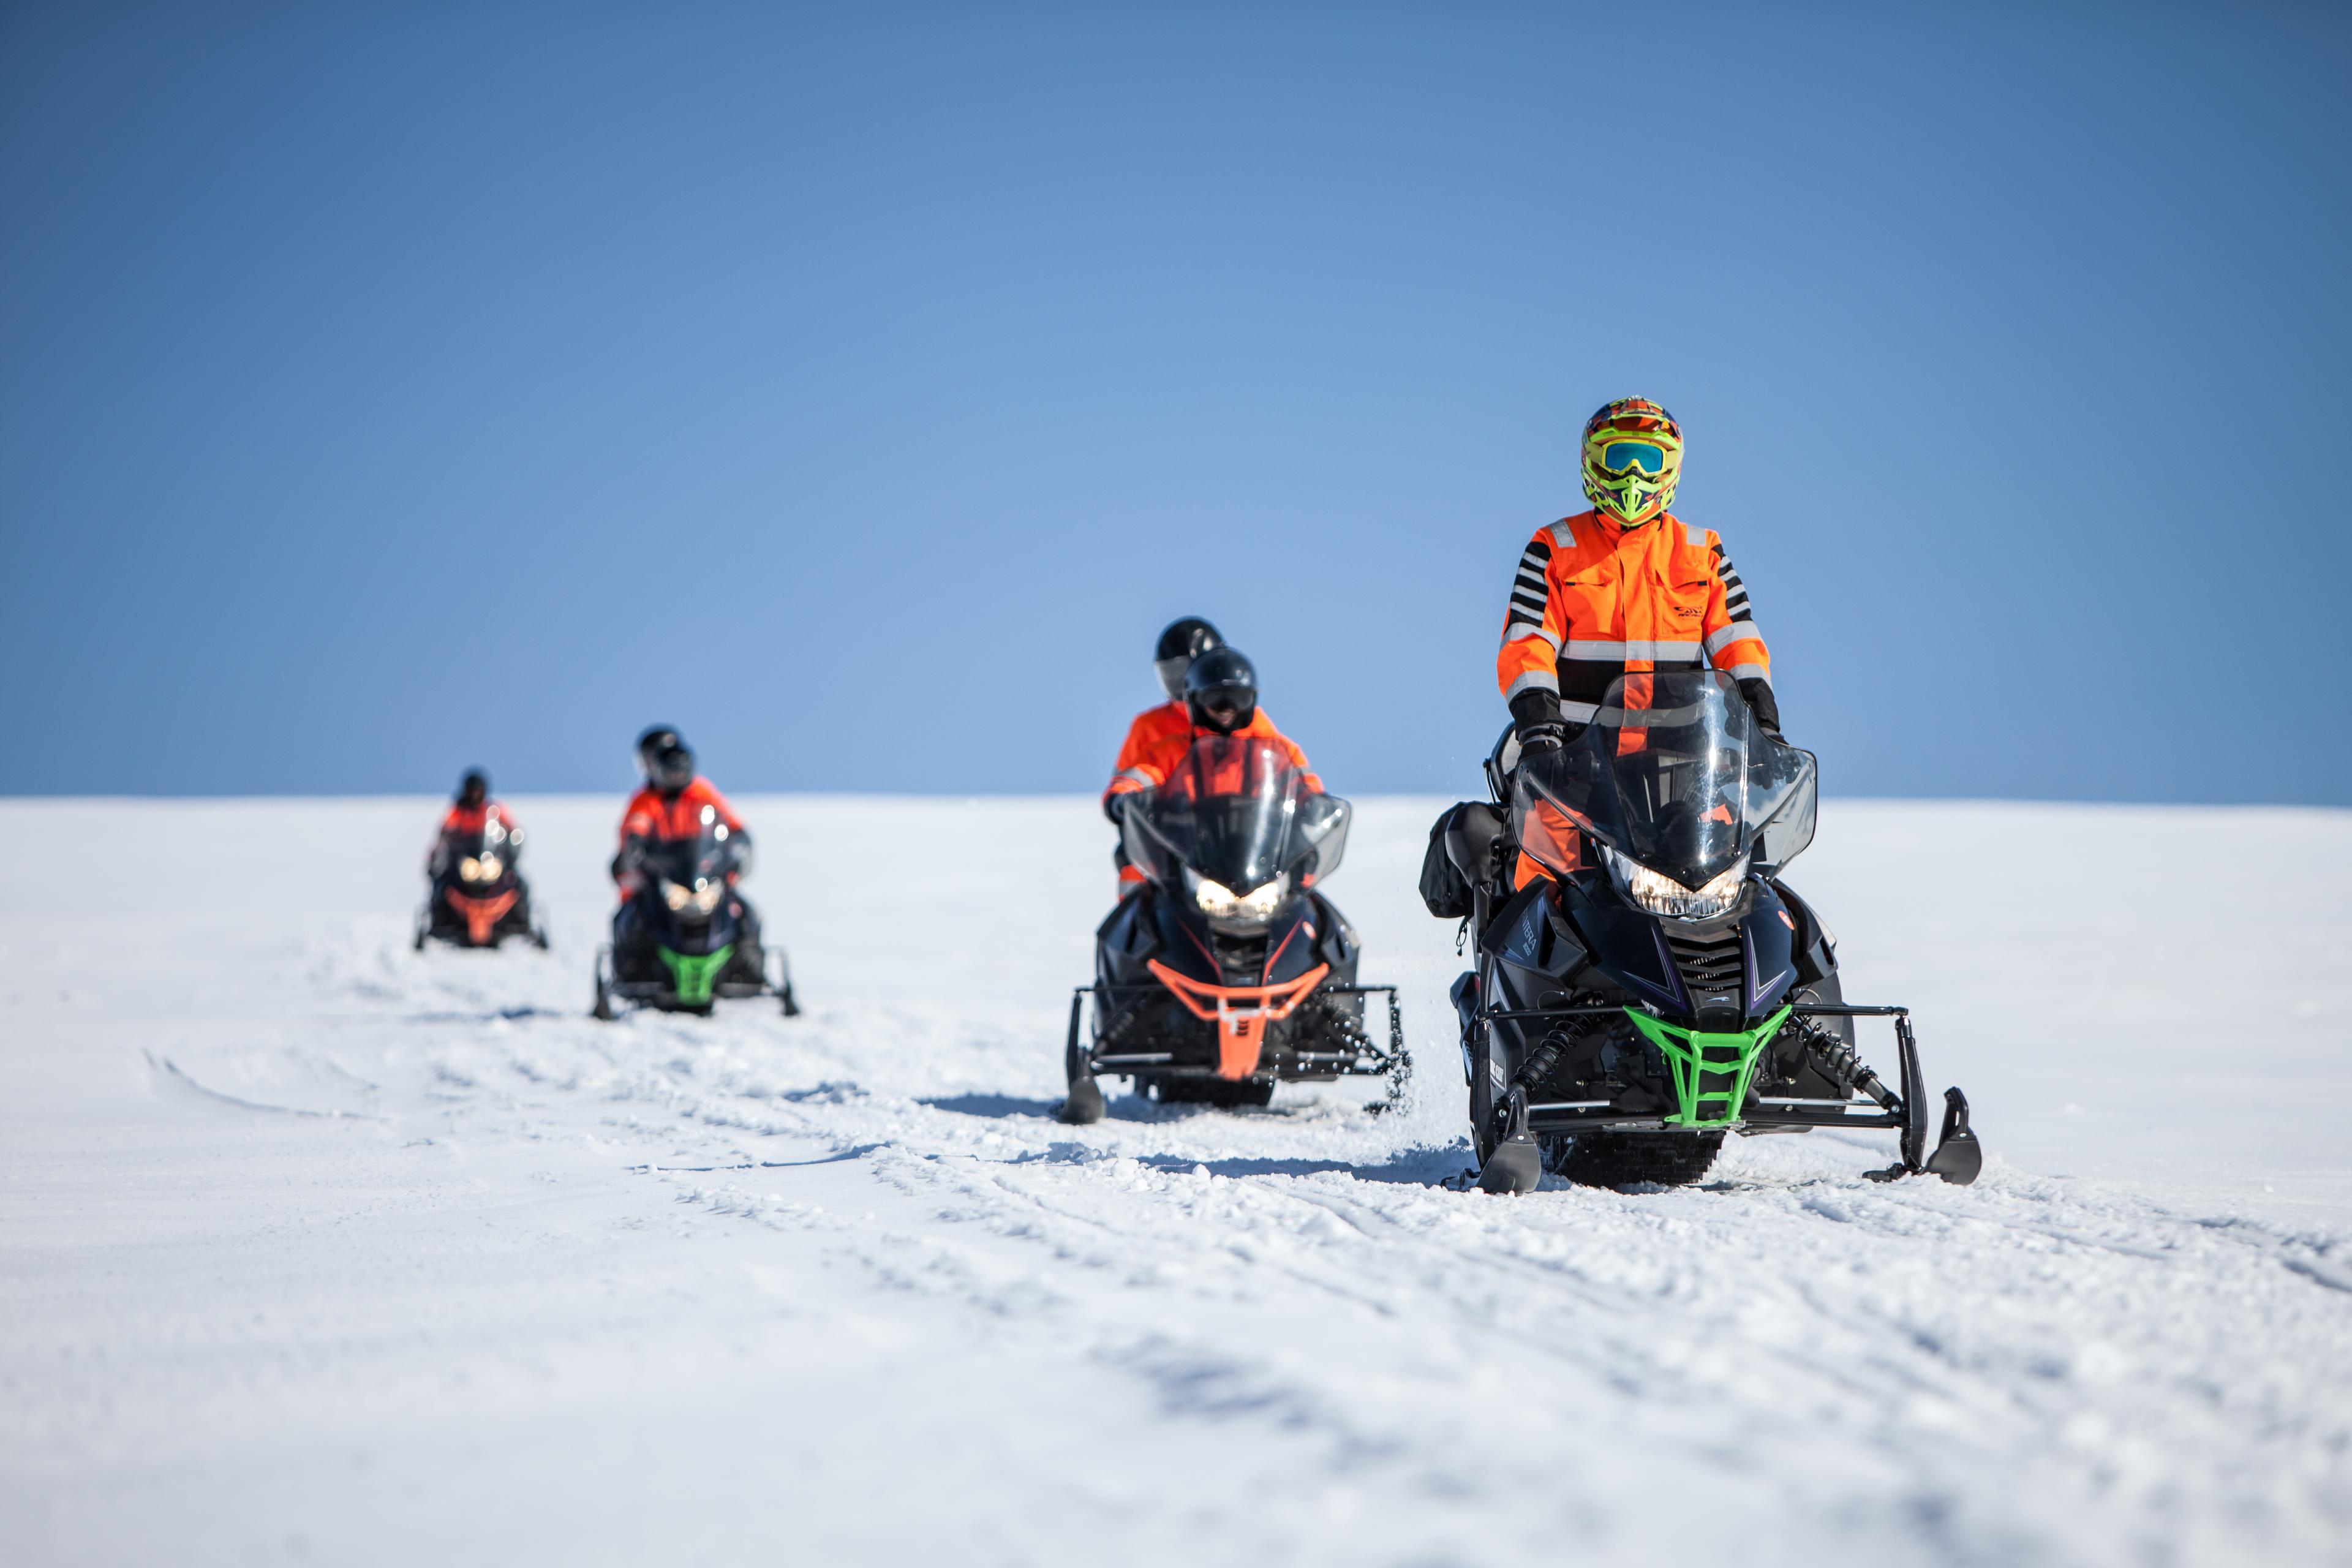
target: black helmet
474 788
665 759
1179 645
1221 691
670 769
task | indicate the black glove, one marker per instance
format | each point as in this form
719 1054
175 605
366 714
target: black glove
1115 805
632 857
1535 715
1766 708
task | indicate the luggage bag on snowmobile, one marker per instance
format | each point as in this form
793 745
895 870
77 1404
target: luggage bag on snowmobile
1226 971
1659 986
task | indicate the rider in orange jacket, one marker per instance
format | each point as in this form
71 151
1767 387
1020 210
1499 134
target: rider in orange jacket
1219 699
1625 589
675 802
1159 737
1184 641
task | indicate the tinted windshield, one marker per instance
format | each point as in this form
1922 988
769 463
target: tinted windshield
1673 772
689 861
1237 811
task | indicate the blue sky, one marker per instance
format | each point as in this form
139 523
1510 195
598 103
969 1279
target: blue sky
384 389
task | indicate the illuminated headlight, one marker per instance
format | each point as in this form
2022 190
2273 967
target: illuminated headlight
701 899
707 897
485 869
675 896
1222 903
1660 895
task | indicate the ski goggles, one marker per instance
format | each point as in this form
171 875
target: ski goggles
1225 701
1624 457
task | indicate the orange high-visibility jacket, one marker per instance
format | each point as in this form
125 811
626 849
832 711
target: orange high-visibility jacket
1593 600
650 816
1159 739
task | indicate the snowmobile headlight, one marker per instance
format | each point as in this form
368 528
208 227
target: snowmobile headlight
707 895
676 895
1662 895
1219 902
485 869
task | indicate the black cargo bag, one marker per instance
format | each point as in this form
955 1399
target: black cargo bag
1461 854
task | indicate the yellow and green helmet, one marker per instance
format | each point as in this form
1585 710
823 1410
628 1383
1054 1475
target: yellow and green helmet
1632 459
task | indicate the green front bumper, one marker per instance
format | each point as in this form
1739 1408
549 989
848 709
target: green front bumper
693 978
1711 1071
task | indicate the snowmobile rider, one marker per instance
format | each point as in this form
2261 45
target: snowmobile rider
1219 699
470 811
1626 588
669 806
1184 641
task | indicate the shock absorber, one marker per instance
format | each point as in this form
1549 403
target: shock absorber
1541 1060
1839 1063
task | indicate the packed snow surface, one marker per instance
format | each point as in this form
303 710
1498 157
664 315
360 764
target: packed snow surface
313 1249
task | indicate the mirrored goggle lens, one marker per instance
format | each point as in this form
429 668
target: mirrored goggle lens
1230 700
1624 457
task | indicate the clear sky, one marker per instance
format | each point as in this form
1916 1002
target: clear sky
384 389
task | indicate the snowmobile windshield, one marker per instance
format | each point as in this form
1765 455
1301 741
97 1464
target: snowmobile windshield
1237 812
1674 774
479 856
702 860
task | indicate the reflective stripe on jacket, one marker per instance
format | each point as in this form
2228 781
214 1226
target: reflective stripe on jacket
1593 601
1151 734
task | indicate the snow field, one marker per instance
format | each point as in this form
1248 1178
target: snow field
313 1249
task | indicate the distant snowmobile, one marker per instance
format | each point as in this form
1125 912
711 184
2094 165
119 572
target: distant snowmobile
1629 1010
476 897
689 936
1227 971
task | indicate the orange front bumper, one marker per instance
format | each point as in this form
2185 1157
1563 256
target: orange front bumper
1240 1013
482 915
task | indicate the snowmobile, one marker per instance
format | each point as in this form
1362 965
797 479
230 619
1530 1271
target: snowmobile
475 895
1226 971
1660 985
688 936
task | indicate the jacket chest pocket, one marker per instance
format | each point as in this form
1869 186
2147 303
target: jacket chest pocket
1684 597
1591 601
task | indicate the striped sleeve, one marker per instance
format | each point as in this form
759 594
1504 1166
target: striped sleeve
1733 644
1531 630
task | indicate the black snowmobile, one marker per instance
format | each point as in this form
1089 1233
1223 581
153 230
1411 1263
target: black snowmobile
1226 971
689 936
475 896
1660 985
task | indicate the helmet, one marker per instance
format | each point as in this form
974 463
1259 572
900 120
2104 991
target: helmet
1632 459
671 768
1179 645
1221 691
665 760
474 788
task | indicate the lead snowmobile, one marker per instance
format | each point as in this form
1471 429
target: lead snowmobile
688 936
1659 985
475 896
1226 971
